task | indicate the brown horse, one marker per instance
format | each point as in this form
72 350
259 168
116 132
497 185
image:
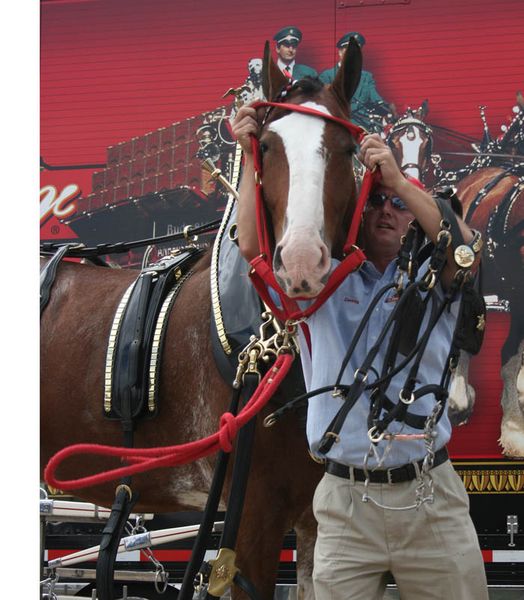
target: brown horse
411 141
493 202
492 199
76 324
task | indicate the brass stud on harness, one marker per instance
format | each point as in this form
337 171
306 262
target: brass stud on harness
124 487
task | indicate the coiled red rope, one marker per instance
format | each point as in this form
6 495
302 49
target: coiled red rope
146 459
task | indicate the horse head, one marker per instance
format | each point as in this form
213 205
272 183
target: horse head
308 182
411 141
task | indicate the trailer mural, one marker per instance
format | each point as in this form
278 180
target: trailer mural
136 95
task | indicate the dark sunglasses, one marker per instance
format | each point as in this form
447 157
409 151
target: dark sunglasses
289 44
378 199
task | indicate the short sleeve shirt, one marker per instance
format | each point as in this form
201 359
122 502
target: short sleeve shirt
331 329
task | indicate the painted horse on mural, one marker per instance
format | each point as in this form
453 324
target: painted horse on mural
411 141
76 326
491 192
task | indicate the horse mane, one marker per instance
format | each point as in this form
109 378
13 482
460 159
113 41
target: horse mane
308 85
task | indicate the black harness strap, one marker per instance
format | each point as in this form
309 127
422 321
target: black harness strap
242 464
111 536
48 275
130 375
210 511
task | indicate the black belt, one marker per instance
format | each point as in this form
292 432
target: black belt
394 475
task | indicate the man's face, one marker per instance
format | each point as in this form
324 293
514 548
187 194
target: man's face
384 224
287 50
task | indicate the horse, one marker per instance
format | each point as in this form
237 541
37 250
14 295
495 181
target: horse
411 141
76 324
493 201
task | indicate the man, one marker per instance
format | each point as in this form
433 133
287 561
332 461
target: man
366 96
287 41
367 529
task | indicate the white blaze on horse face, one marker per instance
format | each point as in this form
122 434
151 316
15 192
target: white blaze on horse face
303 257
411 141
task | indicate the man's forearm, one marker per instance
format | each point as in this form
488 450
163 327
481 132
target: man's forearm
247 227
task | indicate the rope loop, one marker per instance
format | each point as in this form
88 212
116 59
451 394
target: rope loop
227 432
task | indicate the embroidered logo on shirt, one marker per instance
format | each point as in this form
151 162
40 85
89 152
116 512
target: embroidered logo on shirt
353 300
392 298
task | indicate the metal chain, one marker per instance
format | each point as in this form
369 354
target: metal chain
161 576
424 492
49 583
266 346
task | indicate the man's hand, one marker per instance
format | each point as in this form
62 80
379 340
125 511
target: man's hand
375 153
244 125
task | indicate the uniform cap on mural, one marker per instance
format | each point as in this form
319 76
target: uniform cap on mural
289 34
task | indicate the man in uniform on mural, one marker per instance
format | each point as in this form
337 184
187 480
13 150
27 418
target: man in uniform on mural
366 98
288 39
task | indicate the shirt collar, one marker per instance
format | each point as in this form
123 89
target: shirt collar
282 65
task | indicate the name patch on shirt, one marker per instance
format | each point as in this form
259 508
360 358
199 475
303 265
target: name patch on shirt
392 298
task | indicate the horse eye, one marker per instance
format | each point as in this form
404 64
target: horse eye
263 147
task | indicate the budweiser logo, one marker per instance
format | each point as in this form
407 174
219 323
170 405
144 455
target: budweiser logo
58 204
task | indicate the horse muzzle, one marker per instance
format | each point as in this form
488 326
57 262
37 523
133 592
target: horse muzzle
301 265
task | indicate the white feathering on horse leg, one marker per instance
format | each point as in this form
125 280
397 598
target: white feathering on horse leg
461 394
512 427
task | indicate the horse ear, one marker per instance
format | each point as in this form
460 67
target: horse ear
273 80
423 110
348 76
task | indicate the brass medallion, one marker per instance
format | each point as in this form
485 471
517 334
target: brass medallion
464 256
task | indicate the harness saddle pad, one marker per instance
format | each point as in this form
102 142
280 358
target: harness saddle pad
137 335
237 309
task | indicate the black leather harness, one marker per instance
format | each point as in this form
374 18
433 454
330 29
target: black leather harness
133 357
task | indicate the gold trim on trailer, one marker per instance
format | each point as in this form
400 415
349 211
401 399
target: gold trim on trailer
505 477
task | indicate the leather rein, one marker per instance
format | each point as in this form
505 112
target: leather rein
261 272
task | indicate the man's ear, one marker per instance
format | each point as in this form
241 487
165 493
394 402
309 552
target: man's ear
348 76
273 80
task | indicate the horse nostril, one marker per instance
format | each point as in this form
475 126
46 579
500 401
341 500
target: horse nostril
277 258
324 257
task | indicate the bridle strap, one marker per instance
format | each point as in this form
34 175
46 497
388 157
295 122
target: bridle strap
357 132
261 273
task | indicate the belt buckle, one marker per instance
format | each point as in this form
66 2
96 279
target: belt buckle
390 476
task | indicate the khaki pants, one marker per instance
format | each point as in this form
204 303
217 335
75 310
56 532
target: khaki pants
432 552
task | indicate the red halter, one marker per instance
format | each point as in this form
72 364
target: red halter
261 273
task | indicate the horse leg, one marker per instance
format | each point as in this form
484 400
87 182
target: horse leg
461 394
306 530
512 426
261 535
279 493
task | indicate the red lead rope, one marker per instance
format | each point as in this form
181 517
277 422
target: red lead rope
262 274
145 459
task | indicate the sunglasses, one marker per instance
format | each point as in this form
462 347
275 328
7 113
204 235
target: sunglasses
378 199
288 44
